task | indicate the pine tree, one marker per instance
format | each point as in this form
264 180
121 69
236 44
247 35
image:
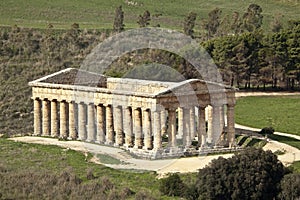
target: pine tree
144 20
119 19
189 24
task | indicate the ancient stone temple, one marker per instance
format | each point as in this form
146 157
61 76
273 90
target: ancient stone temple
152 119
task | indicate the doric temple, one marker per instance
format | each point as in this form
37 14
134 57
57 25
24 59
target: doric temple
152 119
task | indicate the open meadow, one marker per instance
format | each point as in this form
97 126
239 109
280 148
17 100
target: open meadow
280 112
100 14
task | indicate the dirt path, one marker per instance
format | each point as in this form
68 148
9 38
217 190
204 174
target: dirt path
246 94
162 167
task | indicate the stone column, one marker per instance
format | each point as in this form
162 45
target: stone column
157 130
91 123
186 127
222 118
128 127
37 114
72 127
230 125
216 131
201 127
63 119
147 129
163 117
209 124
81 121
46 118
138 140
109 125
172 127
118 124
100 124
54 119
192 123
180 123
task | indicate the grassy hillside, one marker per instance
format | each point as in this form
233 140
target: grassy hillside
100 13
282 113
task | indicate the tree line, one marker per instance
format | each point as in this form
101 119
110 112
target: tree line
246 55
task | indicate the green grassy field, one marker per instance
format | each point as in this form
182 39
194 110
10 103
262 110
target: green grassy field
282 113
100 13
16 157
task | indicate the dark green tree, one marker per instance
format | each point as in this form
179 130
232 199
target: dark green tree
212 24
144 20
119 20
289 186
252 19
189 24
249 174
172 186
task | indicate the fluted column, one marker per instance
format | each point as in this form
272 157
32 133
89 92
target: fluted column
163 117
209 124
157 143
91 123
147 129
230 125
128 127
100 124
81 121
201 127
186 127
192 123
118 123
172 127
109 125
138 140
63 119
46 118
222 118
216 131
54 119
37 114
180 123
72 127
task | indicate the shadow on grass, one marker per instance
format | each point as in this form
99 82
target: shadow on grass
287 140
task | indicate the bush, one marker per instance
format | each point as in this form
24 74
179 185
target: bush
267 131
172 186
289 186
249 174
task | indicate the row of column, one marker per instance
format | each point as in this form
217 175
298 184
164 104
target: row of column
130 127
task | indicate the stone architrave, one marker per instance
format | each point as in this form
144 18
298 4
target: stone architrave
54 119
46 118
63 119
100 124
37 117
91 123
